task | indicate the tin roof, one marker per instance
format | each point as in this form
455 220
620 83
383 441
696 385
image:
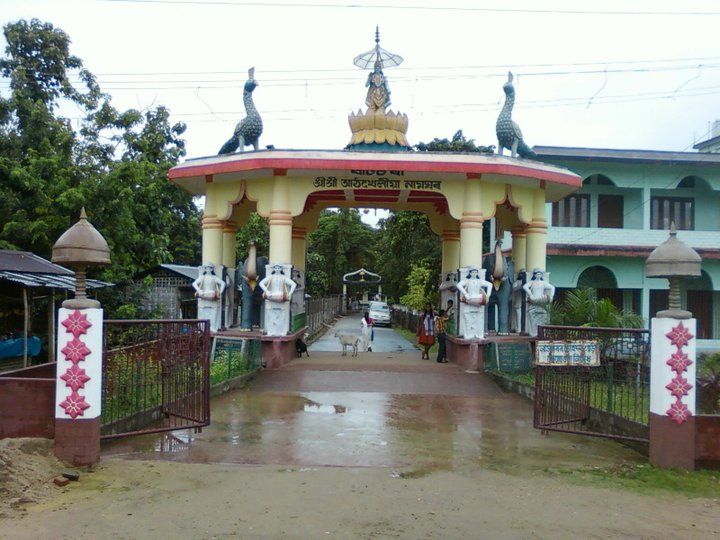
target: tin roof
637 156
30 270
183 270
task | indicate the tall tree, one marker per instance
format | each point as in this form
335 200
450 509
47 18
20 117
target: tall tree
340 244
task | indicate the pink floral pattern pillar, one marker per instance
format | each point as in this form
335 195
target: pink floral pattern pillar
672 392
78 385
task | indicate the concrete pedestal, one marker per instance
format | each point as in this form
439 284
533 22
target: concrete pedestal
469 354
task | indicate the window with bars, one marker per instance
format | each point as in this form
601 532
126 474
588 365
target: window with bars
572 211
665 210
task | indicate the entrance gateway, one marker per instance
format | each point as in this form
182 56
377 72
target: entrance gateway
377 169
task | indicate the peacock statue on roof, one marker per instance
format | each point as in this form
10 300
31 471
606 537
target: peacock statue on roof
248 130
508 132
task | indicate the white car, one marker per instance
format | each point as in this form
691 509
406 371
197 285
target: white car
379 313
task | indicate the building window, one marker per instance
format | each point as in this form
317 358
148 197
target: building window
610 211
572 211
665 210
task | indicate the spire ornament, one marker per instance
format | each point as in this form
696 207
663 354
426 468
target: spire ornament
376 129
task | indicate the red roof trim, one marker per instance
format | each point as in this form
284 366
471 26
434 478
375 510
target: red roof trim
184 171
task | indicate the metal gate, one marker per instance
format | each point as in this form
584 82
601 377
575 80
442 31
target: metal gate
611 400
156 376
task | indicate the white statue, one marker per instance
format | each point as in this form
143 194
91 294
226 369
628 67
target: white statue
539 294
474 293
208 290
517 294
277 289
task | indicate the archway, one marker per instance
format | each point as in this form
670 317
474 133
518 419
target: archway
604 282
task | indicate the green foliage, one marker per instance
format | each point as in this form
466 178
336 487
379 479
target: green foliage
257 230
115 164
341 243
418 292
406 240
581 307
458 143
317 278
708 384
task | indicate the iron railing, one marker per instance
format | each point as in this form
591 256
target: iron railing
156 376
609 400
321 310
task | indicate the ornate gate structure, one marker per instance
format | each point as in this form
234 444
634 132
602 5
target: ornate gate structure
610 400
156 376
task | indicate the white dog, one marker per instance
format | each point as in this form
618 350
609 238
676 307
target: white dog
348 340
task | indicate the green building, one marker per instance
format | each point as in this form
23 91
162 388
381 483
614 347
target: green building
601 235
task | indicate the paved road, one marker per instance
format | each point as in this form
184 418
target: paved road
386 340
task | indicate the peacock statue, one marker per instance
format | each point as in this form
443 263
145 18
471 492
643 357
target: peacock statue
508 132
248 130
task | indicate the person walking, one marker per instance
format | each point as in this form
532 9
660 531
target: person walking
440 332
426 330
366 326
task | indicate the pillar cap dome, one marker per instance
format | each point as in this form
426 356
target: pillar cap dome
673 258
81 245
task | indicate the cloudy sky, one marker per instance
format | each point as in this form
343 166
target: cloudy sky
617 74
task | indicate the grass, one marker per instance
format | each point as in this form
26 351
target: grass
625 402
412 338
645 478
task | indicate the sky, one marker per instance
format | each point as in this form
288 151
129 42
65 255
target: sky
605 74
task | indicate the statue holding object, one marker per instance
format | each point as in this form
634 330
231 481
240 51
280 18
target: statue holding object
474 293
277 289
209 290
501 270
539 293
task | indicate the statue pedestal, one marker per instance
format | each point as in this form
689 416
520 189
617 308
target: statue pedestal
469 354
279 350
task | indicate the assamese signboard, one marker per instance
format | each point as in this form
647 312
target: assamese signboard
567 353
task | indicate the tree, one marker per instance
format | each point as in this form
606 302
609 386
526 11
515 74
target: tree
417 293
341 243
404 241
257 230
458 143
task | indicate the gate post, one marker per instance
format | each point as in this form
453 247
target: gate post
671 423
78 387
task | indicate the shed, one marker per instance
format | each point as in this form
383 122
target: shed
26 278
171 294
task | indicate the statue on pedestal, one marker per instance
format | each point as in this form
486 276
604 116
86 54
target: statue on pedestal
277 289
474 293
208 290
540 293
517 302
250 272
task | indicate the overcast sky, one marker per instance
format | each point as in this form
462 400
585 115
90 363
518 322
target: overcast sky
660 90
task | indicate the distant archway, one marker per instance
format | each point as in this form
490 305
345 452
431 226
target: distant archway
597 277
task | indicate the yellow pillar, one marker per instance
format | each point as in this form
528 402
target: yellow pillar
519 248
299 246
471 223
212 240
280 223
537 234
450 251
228 243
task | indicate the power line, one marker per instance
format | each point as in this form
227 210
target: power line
418 8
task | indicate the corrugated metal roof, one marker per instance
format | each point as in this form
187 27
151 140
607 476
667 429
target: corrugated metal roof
24 261
640 156
55 281
190 272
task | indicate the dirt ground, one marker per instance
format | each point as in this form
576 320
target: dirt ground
127 499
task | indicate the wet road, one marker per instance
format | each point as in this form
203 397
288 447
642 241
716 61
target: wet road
380 409
386 340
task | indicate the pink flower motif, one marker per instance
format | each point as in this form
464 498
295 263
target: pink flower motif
75 351
75 377
74 405
679 387
679 412
679 362
679 336
76 324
